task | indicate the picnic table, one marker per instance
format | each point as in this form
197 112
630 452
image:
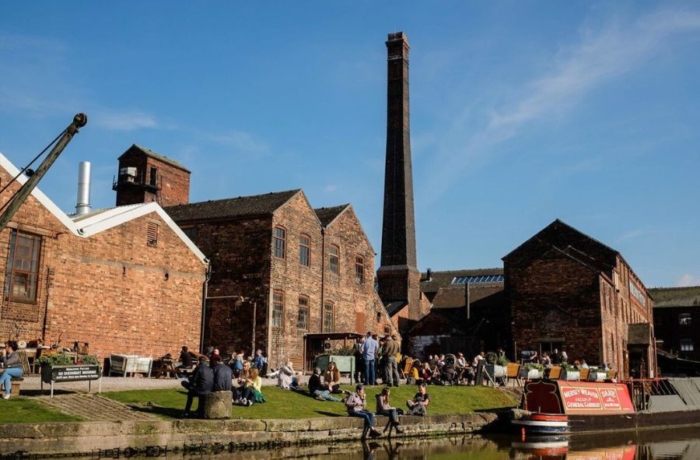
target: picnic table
164 367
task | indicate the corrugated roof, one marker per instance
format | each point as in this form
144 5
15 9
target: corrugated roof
328 215
676 297
255 205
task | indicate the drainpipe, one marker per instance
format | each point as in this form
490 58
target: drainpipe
205 289
323 274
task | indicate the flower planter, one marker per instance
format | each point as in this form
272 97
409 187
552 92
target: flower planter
597 376
530 374
496 371
570 375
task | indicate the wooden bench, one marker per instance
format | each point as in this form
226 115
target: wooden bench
512 372
555 373
16 385
583 373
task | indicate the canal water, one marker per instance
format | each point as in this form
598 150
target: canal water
676 444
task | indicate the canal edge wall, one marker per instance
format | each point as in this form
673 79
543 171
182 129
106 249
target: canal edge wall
230 435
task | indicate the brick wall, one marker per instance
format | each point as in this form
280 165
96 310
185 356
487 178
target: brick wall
109 289
172 183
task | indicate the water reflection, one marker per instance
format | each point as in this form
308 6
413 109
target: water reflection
670 444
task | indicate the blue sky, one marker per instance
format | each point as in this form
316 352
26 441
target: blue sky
521 112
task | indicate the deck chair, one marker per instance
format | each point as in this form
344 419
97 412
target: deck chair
25 362
583 374
555 373
512 371
405 371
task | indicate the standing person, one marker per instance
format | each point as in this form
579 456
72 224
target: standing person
555 357
12 365
259 361
355 404
391 369
384 408
359 362
223 375
369 354
200 384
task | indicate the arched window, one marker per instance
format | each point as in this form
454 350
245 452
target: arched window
305 250
279 239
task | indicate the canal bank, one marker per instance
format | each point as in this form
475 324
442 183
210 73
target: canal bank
200 436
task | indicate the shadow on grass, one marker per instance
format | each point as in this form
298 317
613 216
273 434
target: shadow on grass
150 408
47 392
330 414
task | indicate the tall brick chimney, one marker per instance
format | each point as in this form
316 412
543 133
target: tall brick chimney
398 275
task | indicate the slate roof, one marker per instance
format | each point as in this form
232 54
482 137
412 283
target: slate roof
676 297
157 156
245 206
328 215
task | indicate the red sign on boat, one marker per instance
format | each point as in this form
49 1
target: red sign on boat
578 397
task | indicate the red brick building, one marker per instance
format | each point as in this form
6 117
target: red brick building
124 280
568 291
285 277
677 328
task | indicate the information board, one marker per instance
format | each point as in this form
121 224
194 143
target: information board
75 373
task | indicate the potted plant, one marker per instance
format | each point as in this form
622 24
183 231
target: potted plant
494 365
570 372
597 375
532 371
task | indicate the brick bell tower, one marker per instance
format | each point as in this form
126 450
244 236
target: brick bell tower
398 276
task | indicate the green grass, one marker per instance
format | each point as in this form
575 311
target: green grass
27 410
283 404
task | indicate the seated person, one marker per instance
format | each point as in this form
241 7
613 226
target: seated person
355 405
419 404
426 374
249 389
223 375
320 390
332 378
186 362
13 367
286 377
384 408
200 384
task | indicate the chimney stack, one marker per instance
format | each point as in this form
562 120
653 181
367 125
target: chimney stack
83 206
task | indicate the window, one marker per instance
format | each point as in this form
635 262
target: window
303 318
191 233
328 317
277 308
22 276
360 269
152 180
334 259
687 345
279 237
684 319
152 235
304 250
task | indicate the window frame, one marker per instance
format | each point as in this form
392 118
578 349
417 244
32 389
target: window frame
686 345
303 307
304 250
328 309
277 316
685 319
360 269
334 257
31 274
279 242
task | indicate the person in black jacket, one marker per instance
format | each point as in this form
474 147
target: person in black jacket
223 374
200 384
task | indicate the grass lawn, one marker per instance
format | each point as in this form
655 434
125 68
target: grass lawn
27 410
286 404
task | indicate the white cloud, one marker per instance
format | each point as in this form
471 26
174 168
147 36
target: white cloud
240 140
600 57
124 121
330 188
688 280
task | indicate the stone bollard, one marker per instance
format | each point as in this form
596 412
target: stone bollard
217 404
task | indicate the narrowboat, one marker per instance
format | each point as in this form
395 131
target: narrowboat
552 407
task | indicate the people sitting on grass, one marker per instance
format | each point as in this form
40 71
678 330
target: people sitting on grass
318 389
384 408
332 378
355 405
223 375
419 404
286 377
200 385
249 390
12 365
